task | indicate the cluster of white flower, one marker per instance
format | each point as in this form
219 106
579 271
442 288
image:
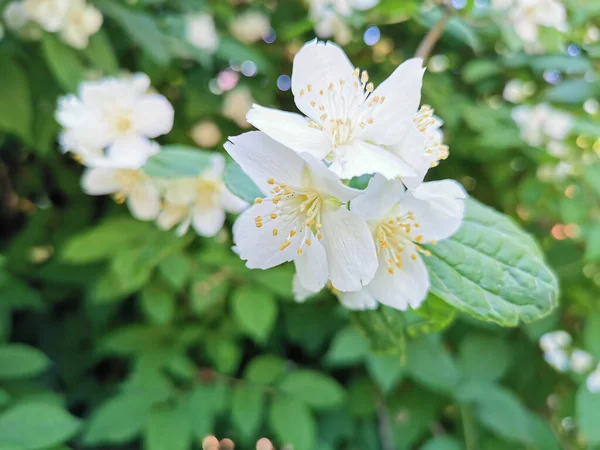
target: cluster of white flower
527 16
109 127
365 245
74 20
200 31
559 353
330 17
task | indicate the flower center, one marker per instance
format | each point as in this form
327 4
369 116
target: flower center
427 124
127 179
208 193
392 238
295 209
344 108
123 123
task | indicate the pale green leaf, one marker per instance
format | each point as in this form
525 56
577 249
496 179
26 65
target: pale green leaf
293 423
255 311
21 361
239 183
246 409
15 107
175 161
167 429
265 369
588 414
313 388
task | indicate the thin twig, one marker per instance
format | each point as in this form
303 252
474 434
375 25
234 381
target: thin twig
434 35
384 426
470 428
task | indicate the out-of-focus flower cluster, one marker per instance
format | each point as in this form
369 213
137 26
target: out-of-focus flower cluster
74 20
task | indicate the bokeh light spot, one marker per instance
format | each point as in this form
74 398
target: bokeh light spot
284 83
372 35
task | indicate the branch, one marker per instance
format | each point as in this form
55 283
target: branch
434 35
470 428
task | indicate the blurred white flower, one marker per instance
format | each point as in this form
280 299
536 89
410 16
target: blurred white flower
15 16
250 26
516 91
554 340
557 358
82 21
581 361
557 149
330 17
111 111
302 217
49 14
200 31
527 15
236 105
206 134
593 381
126 184
353 126
400 222
201 201
541 123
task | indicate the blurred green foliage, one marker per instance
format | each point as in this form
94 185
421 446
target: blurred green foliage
114 334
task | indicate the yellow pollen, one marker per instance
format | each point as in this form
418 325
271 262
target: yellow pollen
292 233
382 100
323 117
322 108
399 265
275 231
370 121
342 82
285 245
313 103
434 242
273 215
427 253
364 77
319 236
271 180
309 87
419 238
390 270
308 242
330 87
258 219
321 92
287 191
413 256
355 72
301 92
376 99
259 224
276 188
276 199
310 222
416 225
370 87
299 251
258 201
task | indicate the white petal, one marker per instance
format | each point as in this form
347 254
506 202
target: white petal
100 181
350 249
327 182
169 216
215 171
232 203
378 198
208 222
412 151
317 64
402 92
261 158
140 82
438 208
300 292
184 226
152 116
526 29
291 130
258 246
360 158
359 300
406 287
144 201
311 267
131 151
181 191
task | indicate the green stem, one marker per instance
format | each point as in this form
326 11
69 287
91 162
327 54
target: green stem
470 428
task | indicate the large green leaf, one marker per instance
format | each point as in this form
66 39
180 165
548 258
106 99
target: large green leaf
21 361
15 107
292 423
31 426
313 388
168 429
176 161
255 311
492 270
64 62
588 414
247 409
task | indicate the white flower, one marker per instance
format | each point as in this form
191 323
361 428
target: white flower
302 217
111 110
49 14
355 127
126 184
515 91
554 340
82 21
250 26
200 31
330 17
541 123
236 105
400 222
593 381
201 201
15 16
558 359
206 134
527 15
581 361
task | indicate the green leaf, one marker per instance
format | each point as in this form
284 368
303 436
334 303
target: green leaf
100 53
430 364
385 329
240 184
246 409
484 357
591 335
349 347
142 29
15 107
561 63
64 62
175 161
480 69
203 404
158 302
255 311
30 426
588 414
592 175
386 370
498 410
573 91
21 361
117 421
442 443
313 388
492 270
592 249
176 269
167 429
265 369
292 423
